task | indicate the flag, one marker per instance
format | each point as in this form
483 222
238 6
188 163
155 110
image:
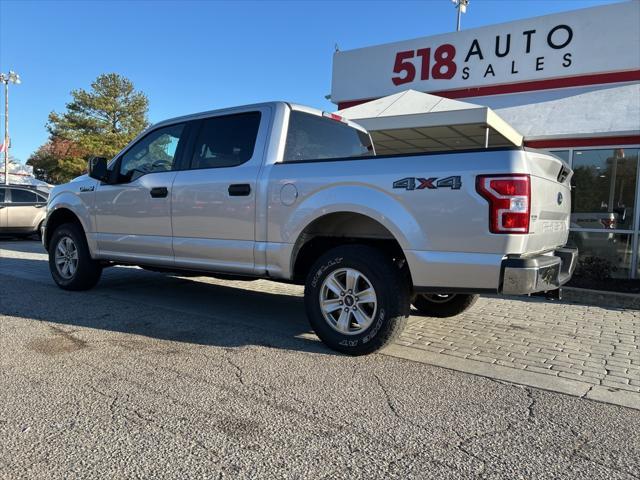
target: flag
3 148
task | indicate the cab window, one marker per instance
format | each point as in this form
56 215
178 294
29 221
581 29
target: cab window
156 152
226 141
23 196
312 137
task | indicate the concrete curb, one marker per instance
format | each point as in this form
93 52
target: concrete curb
538 380
601 297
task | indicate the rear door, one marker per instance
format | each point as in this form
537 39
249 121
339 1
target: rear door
214 198
24 209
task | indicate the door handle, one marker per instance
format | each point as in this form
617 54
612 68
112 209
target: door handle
159 192
239 190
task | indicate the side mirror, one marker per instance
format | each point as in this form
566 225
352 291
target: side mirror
97 167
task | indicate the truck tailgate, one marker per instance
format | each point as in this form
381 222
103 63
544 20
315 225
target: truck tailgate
550 202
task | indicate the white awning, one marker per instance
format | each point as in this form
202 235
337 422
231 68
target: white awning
411 122
603 111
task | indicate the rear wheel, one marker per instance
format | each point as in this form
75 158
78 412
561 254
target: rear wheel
443 304
357 299
70 262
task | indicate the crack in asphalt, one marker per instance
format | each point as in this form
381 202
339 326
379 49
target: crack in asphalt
411 423
576 452
115 402
530 407
238 369
465 442
388 399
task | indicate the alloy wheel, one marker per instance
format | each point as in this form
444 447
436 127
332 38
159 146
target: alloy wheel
66 257
348 301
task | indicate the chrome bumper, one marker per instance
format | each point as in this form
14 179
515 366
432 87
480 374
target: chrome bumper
521 276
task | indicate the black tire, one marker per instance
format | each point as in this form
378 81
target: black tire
389 283
87 272
444 306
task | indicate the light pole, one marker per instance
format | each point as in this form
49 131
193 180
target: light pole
11 77
461 6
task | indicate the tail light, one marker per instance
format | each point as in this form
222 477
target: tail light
509 198
335 117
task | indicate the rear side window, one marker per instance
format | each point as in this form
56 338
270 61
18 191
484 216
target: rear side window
2 195
226 141
311 137
23 196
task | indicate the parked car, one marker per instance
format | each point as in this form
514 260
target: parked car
293 194
22 210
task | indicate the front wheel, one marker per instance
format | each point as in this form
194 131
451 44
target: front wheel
357 300
70 262
443 304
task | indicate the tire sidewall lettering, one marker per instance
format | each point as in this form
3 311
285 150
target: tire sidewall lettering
374 330
320 272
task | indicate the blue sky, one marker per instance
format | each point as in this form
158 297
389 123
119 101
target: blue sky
189 56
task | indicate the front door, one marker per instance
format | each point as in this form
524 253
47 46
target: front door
133 215
214 200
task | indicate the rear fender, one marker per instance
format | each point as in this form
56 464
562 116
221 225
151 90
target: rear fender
364 200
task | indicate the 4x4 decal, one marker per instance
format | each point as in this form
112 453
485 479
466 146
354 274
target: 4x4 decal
419 183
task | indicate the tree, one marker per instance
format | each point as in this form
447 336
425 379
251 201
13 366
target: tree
99 122
57 161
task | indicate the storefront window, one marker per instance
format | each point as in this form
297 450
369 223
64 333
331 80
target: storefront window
604 188
563 154
602 255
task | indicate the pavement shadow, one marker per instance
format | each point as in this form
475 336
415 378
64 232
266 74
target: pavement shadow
161 306
612 304
25 245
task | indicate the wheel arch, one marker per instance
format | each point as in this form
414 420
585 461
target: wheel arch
336 229
57 217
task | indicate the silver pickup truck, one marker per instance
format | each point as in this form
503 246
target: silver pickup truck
293 194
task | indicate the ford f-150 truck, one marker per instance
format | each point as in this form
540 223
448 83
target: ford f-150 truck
293 194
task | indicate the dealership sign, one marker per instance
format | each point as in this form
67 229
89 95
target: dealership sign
581 42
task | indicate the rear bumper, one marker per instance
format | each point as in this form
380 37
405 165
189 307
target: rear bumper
521 276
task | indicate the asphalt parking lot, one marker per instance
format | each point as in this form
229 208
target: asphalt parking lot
151 375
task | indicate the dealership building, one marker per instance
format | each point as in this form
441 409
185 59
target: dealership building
568 83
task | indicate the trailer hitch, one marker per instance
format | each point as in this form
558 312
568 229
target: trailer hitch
549 294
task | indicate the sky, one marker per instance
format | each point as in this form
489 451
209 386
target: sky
194 55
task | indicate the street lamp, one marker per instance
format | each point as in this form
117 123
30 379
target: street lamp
461 6
11 77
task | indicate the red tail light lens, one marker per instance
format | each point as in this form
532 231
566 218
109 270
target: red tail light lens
509 198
